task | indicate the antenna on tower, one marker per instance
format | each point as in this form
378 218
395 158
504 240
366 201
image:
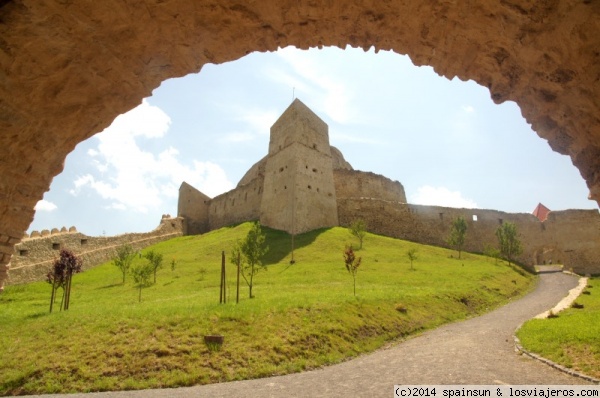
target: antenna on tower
293 93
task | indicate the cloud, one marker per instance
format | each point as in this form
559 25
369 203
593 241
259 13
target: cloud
131 177
44 205
441 196
312 78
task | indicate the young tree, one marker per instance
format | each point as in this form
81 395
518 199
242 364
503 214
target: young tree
492 252
61 275
508 239
252 248
352 264
141 276
358 228
412 256
124 258
155 260
458 233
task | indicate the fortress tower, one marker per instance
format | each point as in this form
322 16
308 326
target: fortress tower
299 190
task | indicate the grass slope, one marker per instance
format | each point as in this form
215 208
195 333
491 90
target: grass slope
573 338
304 315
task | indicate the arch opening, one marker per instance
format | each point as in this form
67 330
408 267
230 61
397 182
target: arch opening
97 65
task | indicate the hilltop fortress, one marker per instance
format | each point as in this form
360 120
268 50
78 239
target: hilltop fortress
304 183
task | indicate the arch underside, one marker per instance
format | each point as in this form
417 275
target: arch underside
69 68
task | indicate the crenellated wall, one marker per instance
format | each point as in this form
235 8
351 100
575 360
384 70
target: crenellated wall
33 257
569 237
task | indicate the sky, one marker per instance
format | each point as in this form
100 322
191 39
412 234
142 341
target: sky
445 141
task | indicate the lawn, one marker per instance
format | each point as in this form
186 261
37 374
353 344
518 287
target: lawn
303 315
573 338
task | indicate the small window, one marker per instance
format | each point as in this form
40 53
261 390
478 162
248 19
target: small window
56 246
314 170
500 221
285 187
280 169
474 217
309 187
23 253
84 242
314 146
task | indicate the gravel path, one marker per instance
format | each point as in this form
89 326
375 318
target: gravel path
476 351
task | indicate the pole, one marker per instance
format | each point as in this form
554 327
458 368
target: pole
221 286
237 294
224 279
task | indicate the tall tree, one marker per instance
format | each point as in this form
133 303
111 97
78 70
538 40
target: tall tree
458 233
155 260
124 258
252 248
61 275
508 239
358 228
352 264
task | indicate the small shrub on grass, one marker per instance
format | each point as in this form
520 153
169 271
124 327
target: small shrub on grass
576 305
412 256
123 259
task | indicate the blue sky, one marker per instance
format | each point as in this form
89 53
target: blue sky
445 141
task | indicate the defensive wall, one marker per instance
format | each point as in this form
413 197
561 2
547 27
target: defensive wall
569 237
33 257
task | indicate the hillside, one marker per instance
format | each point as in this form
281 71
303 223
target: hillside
304 315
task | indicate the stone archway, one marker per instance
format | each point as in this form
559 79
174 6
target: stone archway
68 68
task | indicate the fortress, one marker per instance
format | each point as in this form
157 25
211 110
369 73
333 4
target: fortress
303 184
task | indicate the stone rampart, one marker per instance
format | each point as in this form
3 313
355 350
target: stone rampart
362 184
33 257
568 237
238 205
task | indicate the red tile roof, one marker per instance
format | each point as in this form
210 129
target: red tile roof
541 212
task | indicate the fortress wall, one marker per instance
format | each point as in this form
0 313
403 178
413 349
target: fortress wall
33 257
361 184
193 207
299 191
563 238
238 205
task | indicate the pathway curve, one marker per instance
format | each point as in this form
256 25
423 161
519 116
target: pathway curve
476 351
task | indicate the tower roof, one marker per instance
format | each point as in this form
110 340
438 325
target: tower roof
299 124
541 212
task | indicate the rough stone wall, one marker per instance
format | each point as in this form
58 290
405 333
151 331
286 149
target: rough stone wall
193 206
33 257
69 68
238 205
361 184
299 191
568 237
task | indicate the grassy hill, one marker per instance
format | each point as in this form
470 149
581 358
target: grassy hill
304 315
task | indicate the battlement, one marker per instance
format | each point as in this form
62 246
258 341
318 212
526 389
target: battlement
34 255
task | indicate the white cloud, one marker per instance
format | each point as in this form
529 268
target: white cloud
468 108
335 95
441 196
44 205
132 178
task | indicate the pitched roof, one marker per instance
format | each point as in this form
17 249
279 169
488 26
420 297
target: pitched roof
541 212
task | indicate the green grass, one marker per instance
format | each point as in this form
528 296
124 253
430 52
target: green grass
573 338
304 315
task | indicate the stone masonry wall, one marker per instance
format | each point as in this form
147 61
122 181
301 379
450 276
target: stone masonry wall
33 257
569 237
361 184
193 206
238 205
